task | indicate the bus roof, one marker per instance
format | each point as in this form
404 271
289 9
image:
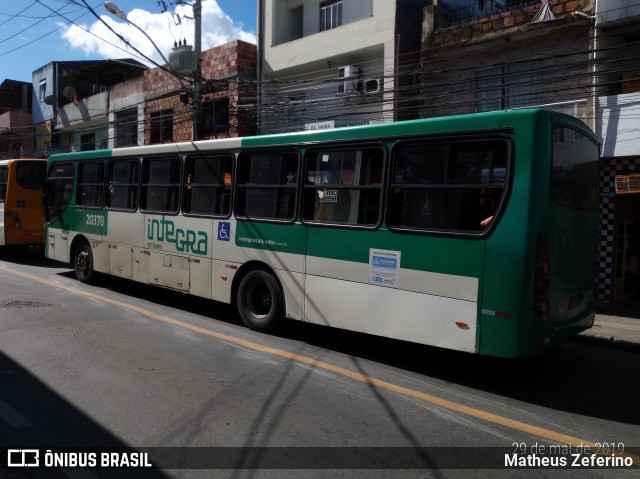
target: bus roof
493 120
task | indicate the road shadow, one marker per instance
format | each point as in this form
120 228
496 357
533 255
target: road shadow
28 256
34 416
575 377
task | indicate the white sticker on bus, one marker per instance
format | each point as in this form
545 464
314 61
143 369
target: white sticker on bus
384 267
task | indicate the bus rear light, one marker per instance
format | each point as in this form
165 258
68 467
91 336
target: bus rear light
543 341
462 325
541 280
543 266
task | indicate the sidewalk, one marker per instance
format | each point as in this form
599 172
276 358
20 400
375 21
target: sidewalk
610 330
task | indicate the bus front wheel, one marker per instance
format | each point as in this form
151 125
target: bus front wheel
259 301
83 263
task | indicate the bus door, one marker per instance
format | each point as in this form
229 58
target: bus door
58 191
342 204
125 223
164 234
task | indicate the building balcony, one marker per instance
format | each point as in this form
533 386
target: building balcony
84 112
460 12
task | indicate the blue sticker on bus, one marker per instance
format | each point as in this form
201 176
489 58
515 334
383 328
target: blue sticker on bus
224 231
383 262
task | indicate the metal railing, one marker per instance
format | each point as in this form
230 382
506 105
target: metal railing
460 12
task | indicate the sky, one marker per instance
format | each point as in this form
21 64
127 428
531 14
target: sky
36 32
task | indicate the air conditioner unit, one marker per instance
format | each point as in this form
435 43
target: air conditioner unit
348 80
373 86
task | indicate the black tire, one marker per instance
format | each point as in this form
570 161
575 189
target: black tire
259 301
83 263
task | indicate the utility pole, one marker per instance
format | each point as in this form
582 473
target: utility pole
197 75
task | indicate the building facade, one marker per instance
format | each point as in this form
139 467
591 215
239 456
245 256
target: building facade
228 97
71 103
617 51
15 119
503 56
324 64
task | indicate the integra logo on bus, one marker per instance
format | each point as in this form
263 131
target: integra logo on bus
188 241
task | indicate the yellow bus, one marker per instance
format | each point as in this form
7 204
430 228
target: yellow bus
21 209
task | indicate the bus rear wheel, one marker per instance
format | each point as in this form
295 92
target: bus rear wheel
83 263
259 301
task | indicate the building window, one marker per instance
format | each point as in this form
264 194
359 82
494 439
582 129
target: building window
216 118
162 126
512 85
42 90
88 142
126 128
330 15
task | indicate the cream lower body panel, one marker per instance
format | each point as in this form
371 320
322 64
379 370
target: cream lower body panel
394 313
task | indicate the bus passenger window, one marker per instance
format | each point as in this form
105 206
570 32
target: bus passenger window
207 185
160 186
90 184
452 187
343 187
266 186
60 187
122 179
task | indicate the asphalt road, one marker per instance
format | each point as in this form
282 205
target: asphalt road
121 364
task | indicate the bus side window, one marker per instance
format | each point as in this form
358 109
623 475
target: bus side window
90 184
207 185
60 189
453 187
160 186
343 186
266 186
122 178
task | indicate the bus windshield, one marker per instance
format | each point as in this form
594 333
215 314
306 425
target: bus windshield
575 173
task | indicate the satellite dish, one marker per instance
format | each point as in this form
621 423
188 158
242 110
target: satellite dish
50 99
69 92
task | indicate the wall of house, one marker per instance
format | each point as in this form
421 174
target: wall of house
552 55
293 19
362 30
124 96
40 110
224 69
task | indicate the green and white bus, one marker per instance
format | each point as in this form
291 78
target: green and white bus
477 233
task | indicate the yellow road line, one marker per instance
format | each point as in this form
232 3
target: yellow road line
444 403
